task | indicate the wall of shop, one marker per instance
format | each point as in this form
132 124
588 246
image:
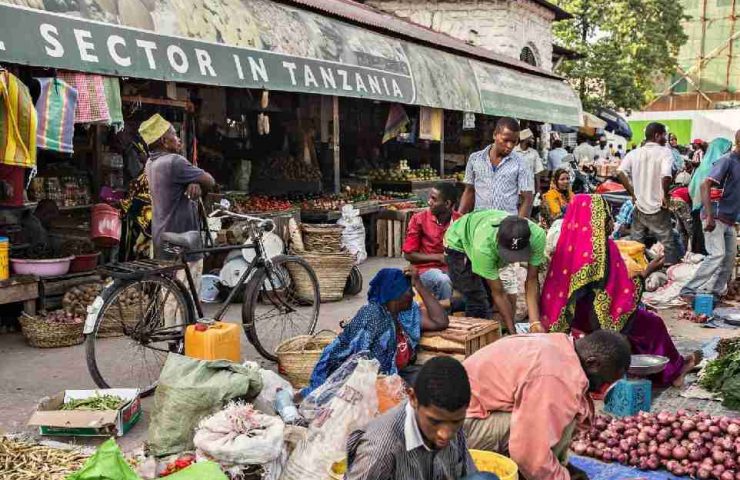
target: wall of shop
503 26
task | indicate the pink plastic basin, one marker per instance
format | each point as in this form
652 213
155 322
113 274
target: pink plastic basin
42 268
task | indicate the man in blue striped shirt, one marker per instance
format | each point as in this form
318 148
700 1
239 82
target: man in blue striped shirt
496 176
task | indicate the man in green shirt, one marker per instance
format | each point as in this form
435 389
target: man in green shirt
478 246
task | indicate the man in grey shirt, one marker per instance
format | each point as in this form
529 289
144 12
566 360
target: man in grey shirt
423 438
174 183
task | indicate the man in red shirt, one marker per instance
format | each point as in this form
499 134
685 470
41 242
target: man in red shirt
424 236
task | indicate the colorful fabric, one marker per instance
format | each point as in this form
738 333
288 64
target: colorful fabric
717 148
153 128
426 235
92 107
372 329
137 211
18 123
112 89
396 122
56 108
554 201
587 262
476 235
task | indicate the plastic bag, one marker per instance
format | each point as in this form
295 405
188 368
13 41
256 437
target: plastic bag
320 397
391 391
190 390
271 383
107 463
240 435
353 236
350 409
655 281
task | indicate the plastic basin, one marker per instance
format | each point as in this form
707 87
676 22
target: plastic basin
43 268
492 462
84 262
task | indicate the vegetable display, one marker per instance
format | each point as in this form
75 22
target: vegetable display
60 316
258 203
77 299
26 461
401 175
684 443
722 375
96 402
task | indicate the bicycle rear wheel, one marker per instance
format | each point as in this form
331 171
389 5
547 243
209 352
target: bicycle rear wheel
138 325
281 302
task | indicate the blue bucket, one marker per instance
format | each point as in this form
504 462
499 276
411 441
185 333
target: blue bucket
704 304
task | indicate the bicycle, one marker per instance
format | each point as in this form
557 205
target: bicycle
151 307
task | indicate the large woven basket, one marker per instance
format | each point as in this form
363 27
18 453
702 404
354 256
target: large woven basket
298 356
331 270
113 322
40 333
322 238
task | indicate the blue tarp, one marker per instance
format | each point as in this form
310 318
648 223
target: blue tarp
597 470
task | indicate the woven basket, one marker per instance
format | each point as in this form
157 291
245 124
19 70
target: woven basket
111 324
331 271
42 334
298 356
322 238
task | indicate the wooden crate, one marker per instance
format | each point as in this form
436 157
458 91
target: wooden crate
464 336
391 231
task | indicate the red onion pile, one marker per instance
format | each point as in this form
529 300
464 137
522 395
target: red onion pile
684 443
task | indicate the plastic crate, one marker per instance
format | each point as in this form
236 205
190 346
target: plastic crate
628 397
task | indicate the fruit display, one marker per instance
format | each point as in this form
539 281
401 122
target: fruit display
694 444
258 203
281 166
400 175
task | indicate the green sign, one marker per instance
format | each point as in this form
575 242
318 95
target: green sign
679 127
43 39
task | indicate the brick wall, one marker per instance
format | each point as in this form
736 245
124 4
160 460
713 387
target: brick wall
503 26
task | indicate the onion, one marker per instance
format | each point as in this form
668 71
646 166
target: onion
579 448
695 435
702 427
688 425
733 429
680 453
622 458
695 454
727 475
664 451
642 437
703 473
677 433
675 425
653 449
718 456
714 430
652 464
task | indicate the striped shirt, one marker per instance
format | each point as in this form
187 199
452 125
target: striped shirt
498 188
391 448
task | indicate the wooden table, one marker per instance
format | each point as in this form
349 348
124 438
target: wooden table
20 288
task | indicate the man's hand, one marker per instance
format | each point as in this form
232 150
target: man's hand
536 327
413 273
666 203
654 266
193 191
710 224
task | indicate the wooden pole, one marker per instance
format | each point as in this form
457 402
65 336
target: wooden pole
335 143
442 148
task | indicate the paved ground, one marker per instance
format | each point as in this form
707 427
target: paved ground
28 374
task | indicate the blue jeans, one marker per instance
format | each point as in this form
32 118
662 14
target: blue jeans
716 268
438 282
482 476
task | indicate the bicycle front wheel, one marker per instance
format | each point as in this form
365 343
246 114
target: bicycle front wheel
138 325
281 302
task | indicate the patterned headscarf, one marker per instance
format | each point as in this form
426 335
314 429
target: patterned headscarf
587 261
387 285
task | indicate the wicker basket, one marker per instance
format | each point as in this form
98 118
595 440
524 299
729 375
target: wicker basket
298 356
42 334
331 271
322 238
111 324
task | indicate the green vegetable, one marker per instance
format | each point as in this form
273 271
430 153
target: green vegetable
96 402
722 375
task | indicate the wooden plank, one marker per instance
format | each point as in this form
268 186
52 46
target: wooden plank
398 239
19 292
60 285
335 144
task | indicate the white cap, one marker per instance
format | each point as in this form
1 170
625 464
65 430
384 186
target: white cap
525 134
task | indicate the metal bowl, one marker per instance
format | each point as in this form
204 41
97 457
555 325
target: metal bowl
644 365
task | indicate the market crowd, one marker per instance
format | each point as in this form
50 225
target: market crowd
525 395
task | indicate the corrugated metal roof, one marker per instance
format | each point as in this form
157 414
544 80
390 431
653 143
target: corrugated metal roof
367 16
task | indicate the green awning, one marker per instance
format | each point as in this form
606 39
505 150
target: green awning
265 44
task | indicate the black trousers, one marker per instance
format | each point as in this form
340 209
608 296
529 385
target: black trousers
473 287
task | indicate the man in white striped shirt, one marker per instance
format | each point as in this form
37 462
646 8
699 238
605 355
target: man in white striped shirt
496 176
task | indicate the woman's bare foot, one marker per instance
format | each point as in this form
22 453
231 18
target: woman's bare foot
690 362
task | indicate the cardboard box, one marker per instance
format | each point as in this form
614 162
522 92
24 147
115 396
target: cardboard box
87 423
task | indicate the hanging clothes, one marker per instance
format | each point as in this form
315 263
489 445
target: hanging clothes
92 106
18 123
112 89
396 123
56 107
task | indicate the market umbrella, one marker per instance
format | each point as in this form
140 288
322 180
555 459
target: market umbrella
615 123
563 129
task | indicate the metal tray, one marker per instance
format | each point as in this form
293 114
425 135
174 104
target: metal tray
643 365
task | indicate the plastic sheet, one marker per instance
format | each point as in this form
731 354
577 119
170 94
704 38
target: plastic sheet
614 471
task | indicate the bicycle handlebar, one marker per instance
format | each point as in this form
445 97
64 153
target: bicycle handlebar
266 224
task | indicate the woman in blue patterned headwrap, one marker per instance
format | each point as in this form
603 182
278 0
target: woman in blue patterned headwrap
389 326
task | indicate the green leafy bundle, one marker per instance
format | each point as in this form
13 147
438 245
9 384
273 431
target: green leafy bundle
722 375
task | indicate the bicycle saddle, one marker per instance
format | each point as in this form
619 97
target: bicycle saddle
188 240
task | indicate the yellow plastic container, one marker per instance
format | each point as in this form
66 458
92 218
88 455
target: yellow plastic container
215 341
4 258
492 462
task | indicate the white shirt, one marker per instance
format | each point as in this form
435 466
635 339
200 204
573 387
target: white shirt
533 159
414 438
602 152
584 153
646 166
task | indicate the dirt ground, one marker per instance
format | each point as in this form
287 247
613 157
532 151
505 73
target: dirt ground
28 374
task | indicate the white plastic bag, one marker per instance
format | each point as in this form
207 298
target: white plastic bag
353 406
353 236
271 383
240 435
